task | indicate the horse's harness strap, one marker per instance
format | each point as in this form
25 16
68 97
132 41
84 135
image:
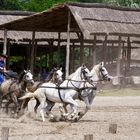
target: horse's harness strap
59 88
60 96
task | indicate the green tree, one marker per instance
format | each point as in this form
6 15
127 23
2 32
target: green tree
29 5
10 5
128 3
40 5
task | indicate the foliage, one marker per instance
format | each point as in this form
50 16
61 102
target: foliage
128 3
29 5
10 5
41 5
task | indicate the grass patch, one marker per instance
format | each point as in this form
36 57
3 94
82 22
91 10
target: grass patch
120 92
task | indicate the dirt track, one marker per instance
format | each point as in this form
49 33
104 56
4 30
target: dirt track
123 111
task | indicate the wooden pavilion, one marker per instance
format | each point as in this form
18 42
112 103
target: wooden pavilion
91 33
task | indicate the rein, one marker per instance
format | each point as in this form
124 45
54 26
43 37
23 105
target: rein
79 90
58 87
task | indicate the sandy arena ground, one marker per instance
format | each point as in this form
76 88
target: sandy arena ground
123 111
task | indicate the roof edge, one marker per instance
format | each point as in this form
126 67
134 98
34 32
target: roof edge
21 13
101 5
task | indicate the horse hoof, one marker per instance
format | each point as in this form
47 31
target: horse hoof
63 118
80 114
76 119
54 119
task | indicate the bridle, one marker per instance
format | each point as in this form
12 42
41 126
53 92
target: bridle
104 76
86 78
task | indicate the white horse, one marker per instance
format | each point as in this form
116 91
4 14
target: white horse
65 93
88 91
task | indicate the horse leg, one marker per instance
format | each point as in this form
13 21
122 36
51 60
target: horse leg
88 101
15 100
88 106
0 100
42 104
63 110
37 105
7 105
24 103
74 106
48 109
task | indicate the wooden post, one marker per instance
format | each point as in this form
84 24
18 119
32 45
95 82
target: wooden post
8 53
35 52
32 52
58 49
5 133
28 53
124 58
5 42
94 50
105 49
88 137
119 58
81 49
90 57
50 53
68 46
128 53
72 59
113 128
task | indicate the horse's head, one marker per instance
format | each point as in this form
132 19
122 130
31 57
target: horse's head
85 74
103 72
55 76
28 77
58 75
99 72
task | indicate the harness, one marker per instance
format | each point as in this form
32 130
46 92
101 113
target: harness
104 76
79 90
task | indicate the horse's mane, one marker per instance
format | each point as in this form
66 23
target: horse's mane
95 69
21 76
71 75
50 75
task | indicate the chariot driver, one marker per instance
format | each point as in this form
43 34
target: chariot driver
2 67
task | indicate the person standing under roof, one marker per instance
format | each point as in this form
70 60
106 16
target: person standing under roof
2 67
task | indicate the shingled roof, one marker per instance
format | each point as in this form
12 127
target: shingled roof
89 18
8 16
105 19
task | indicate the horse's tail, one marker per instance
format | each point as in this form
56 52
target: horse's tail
28 95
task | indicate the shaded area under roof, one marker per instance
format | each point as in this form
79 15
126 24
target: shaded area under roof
89 18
